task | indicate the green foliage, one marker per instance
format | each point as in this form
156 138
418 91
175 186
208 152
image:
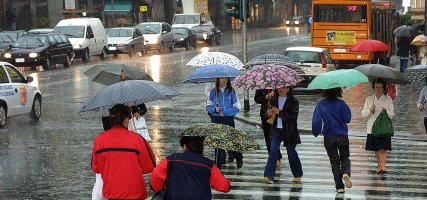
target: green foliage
405 19
43 22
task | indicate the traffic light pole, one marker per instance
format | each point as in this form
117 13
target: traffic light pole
246 106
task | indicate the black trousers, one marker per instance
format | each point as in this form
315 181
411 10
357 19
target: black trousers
425 124
338 151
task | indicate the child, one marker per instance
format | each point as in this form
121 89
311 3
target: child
137 123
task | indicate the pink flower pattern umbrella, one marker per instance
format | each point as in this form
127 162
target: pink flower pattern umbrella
267 76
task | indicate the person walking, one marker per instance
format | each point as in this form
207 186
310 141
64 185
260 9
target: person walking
137 123
331 116
263 97
309 22
188 175
121 157
421 103
285 128
223 105
403 47
371 110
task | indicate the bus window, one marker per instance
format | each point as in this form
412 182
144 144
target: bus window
340 13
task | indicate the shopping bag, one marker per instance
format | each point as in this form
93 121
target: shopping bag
382 126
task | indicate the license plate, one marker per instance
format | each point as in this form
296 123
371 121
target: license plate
20 60
306 69
112 48
340 50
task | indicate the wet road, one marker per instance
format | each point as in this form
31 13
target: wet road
51 159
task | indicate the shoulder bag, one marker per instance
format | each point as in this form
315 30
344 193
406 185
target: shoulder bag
382 126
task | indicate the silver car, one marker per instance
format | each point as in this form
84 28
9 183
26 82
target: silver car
157 35
125 40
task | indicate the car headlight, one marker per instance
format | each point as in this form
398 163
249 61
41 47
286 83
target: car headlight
296 22
287 21
32 55
76 46
181 39
8 55
205 35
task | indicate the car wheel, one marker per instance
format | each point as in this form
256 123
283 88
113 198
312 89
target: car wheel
3 116
47 64
195 44
131 52
36 110
67 62
187 45
172 47
86 56
103 55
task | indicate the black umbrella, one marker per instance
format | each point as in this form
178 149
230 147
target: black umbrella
390 75
405 31
109 73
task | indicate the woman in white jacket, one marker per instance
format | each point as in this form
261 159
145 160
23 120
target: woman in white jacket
373 107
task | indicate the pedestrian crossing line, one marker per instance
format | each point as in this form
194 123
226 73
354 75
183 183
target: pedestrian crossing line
286 193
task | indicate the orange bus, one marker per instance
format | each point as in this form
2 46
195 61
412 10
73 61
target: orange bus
339 24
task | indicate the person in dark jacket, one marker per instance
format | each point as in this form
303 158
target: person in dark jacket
188 175
330 118
284 128
403 48
263 97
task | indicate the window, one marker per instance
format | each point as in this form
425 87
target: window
64 39
71 31
58 39
52 40
341 13
3 76
15 75
89 32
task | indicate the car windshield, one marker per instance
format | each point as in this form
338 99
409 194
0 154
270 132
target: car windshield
31 41
149 28
11 35
71 31
304 56
201 28
120 33
186 19
296 18
181 31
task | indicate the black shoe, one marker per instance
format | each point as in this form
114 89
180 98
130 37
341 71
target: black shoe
230 159
239 164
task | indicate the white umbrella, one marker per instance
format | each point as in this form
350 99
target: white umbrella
210 58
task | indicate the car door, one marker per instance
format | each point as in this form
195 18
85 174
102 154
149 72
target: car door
62 49
92 41
168 35
54 50
138 40
18 91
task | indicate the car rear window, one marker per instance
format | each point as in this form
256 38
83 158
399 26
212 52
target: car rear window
304 56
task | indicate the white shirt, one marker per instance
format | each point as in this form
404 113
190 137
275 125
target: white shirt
383 102
141 127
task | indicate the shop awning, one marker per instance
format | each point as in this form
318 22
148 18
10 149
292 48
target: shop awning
120 6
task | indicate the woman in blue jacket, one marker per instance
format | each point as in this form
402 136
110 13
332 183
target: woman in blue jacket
223 105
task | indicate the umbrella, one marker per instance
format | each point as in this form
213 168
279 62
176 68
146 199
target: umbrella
269 59
390 75
223 136
419 40
209 58
416 75
109 73
267 76
404 31
369 46
338 78
133 91
209 73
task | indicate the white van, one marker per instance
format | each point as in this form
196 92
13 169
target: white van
87 35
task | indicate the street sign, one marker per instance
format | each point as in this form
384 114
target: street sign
143 8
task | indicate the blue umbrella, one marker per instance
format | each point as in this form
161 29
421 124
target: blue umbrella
209 73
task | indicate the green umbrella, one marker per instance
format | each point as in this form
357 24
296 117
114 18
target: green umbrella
338 78
223 136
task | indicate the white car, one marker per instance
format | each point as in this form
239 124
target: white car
157 35
312 60
17 96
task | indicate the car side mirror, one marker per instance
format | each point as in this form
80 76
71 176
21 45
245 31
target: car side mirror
29 79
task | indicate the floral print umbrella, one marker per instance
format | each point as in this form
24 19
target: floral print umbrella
210 58
223 136
416 75
267 76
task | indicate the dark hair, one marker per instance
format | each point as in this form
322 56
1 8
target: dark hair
118 113
141 108
333 94
228 87
379 80
290 92
193 143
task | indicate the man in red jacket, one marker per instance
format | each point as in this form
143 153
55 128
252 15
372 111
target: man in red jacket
122 157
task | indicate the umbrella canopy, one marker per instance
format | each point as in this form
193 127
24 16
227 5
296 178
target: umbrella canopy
416 75
134 91
390 75
269 59
109 73
338 78
210 58
420 40
267 76
223 136
369 46
209 73
404 31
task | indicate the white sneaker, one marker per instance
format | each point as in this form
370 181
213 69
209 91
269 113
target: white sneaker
347 181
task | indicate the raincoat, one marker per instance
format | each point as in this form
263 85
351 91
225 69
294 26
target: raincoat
227 101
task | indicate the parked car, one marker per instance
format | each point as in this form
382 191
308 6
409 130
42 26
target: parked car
87 35
40 30
14 35
5 42
184 37
33 50
157 36
125 40
295 21
312 60
17 95
208 34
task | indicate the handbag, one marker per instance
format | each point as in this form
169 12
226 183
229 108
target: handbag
382 126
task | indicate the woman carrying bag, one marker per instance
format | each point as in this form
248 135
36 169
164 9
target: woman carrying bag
373 107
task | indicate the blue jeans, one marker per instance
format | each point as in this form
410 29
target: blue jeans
293 158
338 151
403 65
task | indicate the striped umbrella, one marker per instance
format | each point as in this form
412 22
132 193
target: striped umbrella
132 92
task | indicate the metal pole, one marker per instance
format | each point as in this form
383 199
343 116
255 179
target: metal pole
112 13
425 18
246 106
